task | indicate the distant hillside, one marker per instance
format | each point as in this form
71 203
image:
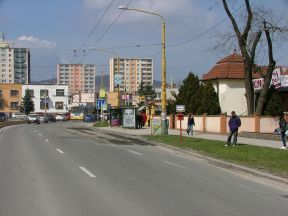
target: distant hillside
106 82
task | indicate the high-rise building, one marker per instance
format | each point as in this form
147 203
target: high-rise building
128 73
14 63
79 77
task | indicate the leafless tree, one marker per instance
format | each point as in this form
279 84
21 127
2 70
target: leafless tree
258 30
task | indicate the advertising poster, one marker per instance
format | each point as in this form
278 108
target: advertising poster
156 125
129 117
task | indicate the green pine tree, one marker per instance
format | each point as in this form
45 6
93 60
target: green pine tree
27 103
274 104
187 92
209 101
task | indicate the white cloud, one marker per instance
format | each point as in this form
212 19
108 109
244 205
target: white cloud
33 42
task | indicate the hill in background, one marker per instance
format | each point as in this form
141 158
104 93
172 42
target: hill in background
106 82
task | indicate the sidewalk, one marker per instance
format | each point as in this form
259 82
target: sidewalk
241 140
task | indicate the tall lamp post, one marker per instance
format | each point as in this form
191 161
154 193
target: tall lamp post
118 70
164 128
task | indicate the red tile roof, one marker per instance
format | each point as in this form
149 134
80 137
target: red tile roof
230 67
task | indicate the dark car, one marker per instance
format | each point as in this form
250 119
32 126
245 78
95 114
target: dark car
89 118
49 118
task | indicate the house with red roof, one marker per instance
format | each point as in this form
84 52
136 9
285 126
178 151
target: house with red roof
227 77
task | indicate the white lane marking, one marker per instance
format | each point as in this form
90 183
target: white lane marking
175 165
46 140
60 151
134 152
35 131
87 172
40 134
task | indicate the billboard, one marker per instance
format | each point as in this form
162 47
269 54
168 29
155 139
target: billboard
129 117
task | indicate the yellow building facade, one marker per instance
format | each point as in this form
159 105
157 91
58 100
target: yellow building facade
10 97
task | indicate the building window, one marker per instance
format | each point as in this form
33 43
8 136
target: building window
1 105
59 105
14 93
1 93
44 93
59 92
31 92
14 105
43 105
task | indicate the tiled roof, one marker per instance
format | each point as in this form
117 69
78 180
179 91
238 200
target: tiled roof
230 67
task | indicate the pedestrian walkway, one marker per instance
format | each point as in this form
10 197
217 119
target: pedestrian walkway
241 140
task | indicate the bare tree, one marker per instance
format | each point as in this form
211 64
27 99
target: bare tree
255 28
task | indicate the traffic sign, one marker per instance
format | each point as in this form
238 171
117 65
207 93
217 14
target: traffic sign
100 103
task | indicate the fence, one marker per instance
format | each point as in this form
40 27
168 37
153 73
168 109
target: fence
219 124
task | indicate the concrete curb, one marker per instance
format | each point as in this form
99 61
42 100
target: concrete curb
10 123
214 161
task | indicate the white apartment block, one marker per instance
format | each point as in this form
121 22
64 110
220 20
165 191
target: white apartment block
55 96
132 71
79 77
14 64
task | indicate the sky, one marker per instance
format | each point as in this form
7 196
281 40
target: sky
63 31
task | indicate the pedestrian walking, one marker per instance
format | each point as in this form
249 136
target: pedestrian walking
234 123
283 126
144 118
190 124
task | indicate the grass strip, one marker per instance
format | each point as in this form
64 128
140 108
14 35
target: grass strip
101 124
271 160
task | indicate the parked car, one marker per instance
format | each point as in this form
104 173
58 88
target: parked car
41 117
33 118
60 117
49 118
18 116
88 118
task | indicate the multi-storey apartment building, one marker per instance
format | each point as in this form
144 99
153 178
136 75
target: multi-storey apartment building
128 73
14 64
10 97
48 98
79 77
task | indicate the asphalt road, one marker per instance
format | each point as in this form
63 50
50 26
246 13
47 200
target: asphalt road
49 170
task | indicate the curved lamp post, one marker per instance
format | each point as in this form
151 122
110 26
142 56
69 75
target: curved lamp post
164 128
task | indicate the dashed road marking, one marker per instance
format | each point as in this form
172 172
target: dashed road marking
134 152
46 140
175 165
40 134
60 151
87 172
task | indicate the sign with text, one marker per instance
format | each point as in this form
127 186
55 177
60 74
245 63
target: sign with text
180 108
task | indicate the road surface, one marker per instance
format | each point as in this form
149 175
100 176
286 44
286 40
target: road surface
49 170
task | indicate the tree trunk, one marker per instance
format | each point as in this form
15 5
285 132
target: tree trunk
249 89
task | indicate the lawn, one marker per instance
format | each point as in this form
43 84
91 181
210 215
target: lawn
272 160
101 124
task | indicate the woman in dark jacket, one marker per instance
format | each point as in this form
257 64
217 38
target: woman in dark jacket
190 124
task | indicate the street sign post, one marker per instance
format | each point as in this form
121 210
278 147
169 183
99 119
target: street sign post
100 103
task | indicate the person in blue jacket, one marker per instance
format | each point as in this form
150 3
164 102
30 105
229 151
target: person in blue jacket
234 123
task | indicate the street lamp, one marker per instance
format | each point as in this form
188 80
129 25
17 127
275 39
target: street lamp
118 69
164 128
